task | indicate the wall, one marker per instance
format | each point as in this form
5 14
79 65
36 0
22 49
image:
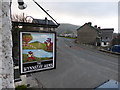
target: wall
6 62
86 35
107 35
105 45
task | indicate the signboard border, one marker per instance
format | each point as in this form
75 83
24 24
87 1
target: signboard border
54 67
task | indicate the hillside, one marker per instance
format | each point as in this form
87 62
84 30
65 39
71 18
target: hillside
67 28
35 45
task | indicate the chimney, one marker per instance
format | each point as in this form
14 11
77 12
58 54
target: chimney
46 20
89 23
95 26
99 27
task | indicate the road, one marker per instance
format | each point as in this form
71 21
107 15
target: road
78 67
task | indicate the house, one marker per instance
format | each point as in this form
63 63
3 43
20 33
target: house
46 25
106 36
93 35
37 25
87 34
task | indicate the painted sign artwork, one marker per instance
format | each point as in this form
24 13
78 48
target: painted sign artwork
37 51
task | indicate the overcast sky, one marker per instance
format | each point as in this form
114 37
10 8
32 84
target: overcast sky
103 13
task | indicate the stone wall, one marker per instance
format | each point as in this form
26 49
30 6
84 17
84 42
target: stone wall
6 61
87 35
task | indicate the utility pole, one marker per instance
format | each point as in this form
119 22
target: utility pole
6 61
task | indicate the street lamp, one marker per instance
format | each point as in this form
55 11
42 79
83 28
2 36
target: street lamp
22 5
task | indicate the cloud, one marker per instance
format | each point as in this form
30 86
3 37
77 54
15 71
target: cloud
44 36
75 11
97 9
41 37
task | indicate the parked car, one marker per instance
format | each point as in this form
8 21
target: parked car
108 85
115 48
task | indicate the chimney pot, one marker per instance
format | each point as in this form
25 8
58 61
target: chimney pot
89 23
46 20
99 27
95 26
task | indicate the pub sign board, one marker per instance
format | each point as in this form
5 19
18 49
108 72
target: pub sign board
37 51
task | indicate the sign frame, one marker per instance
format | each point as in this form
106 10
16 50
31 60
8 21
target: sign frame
28 63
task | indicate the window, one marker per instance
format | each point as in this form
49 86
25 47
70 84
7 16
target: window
106 37
105 43
41 28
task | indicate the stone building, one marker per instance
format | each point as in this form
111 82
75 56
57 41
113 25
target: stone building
106 36
36 25
87 34
49 25
93 35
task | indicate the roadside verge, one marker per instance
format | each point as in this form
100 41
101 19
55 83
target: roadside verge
103 50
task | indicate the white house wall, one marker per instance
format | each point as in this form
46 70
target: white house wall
102 44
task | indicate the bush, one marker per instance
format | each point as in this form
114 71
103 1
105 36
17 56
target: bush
21 87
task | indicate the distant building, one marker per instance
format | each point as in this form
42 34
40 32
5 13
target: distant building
87 34
46 25
93 35
106 36
36 25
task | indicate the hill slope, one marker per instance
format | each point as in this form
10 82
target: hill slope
67 28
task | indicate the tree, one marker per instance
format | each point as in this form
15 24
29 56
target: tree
6 61
26 39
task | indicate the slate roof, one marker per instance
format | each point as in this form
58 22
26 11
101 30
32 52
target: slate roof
43 21
108 29
97 29
90 26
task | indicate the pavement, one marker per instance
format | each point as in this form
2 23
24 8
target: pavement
29 81
32 83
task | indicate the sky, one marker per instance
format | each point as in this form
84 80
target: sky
41 37
103 13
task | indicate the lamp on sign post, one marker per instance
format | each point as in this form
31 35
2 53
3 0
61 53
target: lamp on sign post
22 5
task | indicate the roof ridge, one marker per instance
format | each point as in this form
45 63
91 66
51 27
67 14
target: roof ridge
94 28
90 26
